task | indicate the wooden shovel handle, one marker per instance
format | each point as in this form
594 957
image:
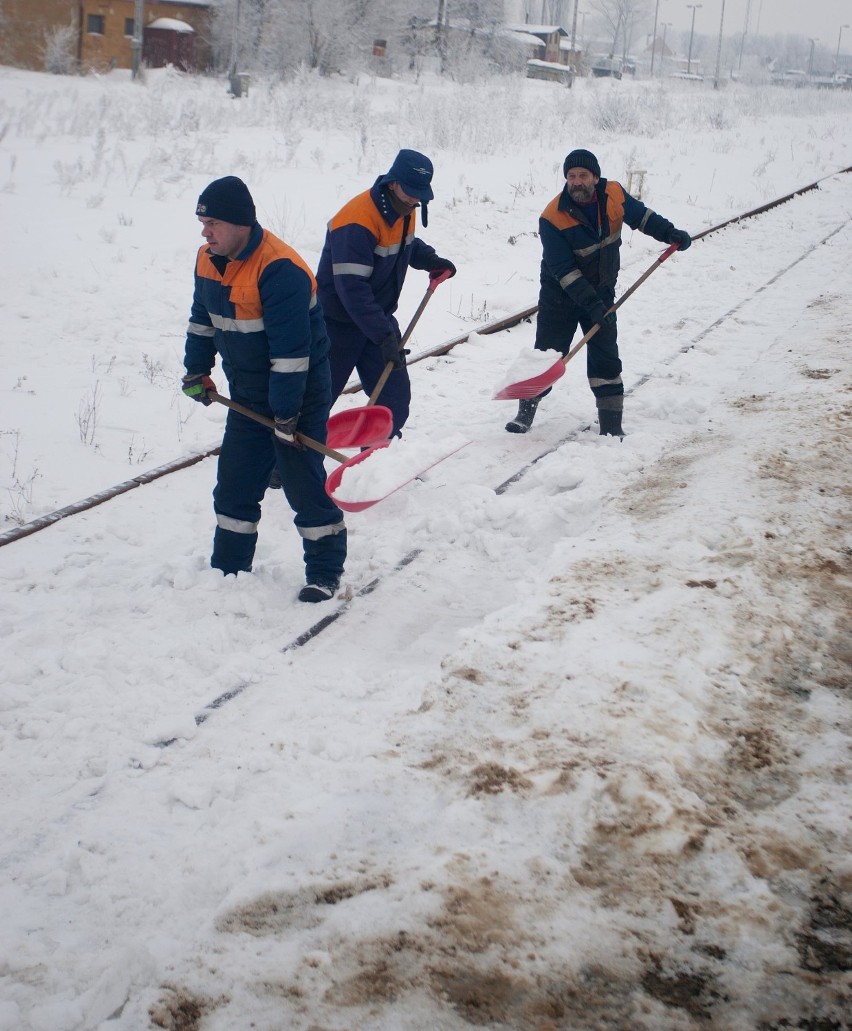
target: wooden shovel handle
388 369
262 419
653 268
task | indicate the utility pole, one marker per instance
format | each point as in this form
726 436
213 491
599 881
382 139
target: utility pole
574 27
654 37
439 32
813 43
136 41
837 52
691 34
719 48
745 33
235 38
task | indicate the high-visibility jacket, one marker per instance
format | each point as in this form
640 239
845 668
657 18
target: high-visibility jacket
583 258
260 312
368 249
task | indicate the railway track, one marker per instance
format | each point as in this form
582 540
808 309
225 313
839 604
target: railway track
486 329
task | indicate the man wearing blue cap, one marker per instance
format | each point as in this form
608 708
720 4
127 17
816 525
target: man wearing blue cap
369 246
580 232
255 305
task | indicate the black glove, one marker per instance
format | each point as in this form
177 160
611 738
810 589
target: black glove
437 266
682 238
605 317
391 352
285 432
196 387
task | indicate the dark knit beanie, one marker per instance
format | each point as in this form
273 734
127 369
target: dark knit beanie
228 200
582 159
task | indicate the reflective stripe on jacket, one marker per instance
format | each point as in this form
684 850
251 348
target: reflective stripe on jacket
260 312
580 256
364 260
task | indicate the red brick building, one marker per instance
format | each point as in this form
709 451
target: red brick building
97 33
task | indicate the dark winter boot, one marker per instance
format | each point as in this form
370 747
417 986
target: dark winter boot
314 593
610 422
524 419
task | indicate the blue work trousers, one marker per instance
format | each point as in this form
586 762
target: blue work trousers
249 452
557 322
351 350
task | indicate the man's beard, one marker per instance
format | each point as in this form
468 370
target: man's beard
581 194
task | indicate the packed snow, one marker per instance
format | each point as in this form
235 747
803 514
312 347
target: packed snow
570 750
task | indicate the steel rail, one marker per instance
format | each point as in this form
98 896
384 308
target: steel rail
497 326
516 317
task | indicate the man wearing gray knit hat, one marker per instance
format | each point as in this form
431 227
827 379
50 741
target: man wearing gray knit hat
580 233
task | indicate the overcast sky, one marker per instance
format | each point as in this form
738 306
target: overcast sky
820 19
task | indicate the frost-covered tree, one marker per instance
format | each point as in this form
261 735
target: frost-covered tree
275 37
59 50
621 18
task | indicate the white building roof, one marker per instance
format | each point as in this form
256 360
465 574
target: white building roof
172 24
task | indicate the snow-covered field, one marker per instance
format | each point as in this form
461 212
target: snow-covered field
575 754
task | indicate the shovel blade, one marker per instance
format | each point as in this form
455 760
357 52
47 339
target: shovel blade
359 427
332 483
532 387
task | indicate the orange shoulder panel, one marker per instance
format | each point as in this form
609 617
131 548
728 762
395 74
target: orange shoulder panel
204 266
557 218
273 249
615 203
363 212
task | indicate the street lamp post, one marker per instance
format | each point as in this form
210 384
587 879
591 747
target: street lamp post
663 49
813 43
691 34
837 52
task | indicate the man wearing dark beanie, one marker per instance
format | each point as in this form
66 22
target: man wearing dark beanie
580 233
255 304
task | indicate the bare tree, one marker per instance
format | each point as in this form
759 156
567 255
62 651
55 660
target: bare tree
621 18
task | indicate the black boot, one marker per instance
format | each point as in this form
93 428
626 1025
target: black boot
610 422
524 419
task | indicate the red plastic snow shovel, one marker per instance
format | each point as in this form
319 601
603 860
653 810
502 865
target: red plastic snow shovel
532 387
371 423
333 480
335 477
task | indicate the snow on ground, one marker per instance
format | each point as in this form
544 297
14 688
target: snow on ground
575 753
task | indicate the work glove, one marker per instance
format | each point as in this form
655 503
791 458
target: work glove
391 351
285 432
196 387
605 317
438 266
682 238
